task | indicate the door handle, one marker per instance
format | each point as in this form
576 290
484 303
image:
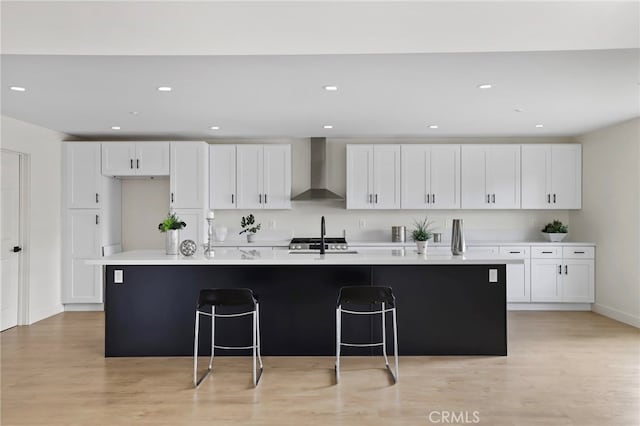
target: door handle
172 197
549 198
547 252
493 198
560 269
426 198
266 201
231 198
17 249
97 198
433 198
566 269
514 252
376 198
578 252
259 198
370 198
131 163
554 198
137 164
97 220
488 198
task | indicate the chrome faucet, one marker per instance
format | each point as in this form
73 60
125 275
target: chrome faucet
323 231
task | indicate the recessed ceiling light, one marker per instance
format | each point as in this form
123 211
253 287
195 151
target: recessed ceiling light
539 125
518 110
433 126
17 88
484 86
214 127
115 127
164 89
330 88
328 126
134 112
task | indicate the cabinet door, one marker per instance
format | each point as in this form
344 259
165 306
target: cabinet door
222 177
415 179
83 282
536 177
566 176
196 228
578 281
118 158
517 283
386 176
474 185
360 176
189 175
445 176
152 158
277 177
546 279
503 176
83 177
249 166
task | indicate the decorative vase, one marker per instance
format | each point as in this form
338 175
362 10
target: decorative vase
221 233
251 237
171 242
421 247
458 245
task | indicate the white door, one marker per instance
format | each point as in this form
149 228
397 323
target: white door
83 234
189 175
152 158
10 239
473 171
503 176
360 177
83 177
536 177
277 177
118 158
566 176
386 176
445 177
249 166
577 282
546 280
415 177
222 177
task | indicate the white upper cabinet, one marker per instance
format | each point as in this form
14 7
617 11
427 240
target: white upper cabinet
135 158
490 176
552 176
222 177
189 175
373 176
430 176
83 179
263 176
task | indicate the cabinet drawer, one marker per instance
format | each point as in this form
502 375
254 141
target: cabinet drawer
483 249
578 252
546 252
515 252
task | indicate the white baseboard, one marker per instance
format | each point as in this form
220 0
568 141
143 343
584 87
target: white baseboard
36 315
83 307
549 306
617 315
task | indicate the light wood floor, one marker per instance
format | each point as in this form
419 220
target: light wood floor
573 368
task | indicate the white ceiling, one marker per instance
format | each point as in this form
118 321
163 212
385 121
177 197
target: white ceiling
379 95
256 68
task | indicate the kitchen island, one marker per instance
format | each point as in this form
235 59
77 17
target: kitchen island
447 305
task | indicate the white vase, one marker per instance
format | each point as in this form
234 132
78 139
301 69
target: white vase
554 237
172 240
221 233
251 237
421 247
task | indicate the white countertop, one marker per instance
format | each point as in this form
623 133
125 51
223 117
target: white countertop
261 256
356 243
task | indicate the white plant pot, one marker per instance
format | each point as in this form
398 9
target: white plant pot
421 247
554 237
251 237
172 240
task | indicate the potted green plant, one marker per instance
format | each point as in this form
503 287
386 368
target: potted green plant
249 227
555 231
171 226
421 234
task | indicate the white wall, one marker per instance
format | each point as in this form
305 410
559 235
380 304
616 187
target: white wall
610 216
44 150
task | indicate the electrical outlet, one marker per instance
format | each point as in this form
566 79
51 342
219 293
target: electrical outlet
118 276
493 275
362 223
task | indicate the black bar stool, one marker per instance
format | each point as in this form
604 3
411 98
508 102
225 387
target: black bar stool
227 297
368 295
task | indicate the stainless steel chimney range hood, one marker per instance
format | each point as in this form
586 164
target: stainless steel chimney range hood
318 190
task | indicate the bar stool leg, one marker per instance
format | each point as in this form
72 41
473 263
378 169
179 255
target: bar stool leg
258 338
395 344
254 347
338 341
213 335
195 350
384 336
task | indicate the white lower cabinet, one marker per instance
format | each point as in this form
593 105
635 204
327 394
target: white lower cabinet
578 281
564 274
518 275
83 233
546 277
